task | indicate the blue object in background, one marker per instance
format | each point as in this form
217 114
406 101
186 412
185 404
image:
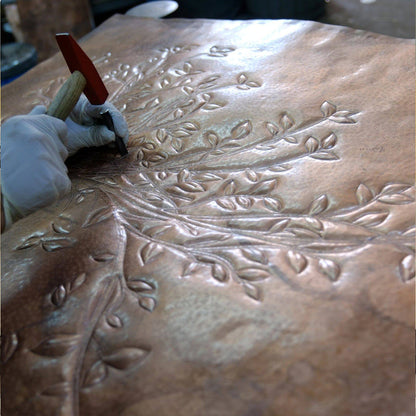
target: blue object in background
16 59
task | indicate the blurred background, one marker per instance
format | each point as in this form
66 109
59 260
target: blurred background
28 26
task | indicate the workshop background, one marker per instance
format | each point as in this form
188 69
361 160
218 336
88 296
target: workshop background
28 26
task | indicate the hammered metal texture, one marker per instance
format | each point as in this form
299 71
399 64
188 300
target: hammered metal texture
253 254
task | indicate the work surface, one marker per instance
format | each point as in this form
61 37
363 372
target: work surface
253 254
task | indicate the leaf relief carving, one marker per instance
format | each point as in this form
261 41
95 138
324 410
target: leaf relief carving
57 345
319 205
59 295
364 194
407 268
252 291
95 375
253 274
329 268
9 343
126 358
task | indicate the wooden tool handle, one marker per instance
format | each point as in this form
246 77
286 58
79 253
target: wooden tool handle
67 96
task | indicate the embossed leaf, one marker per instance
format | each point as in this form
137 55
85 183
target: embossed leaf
253 84
241 130
153 198
395 199
253 274
59 389
140 285
178 113
313 224
207 177
57 345
229 188
297 261
9 343
102 257
226 203
273 204
328 108
286 122
371 219
79 280
363 194
254 255
157 157
187 66
177 144
161 135
206 97
147 303
264 187
189 126
187 90
395 188
211 106
273 129
212 139
191 186
96 374
165 82
251 175
57 243
31 241
59 295
319 205
329 268
266 146
324 155
97 216
407 268
219 272
210 79
290 139
63 225
189 268
150 251
411 231
278 226
114 321
311 144
220 50
252 291
80 198
244 202
242 78
243 87
330 141
343 117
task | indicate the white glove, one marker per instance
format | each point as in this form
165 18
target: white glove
34 148
83 130
33 172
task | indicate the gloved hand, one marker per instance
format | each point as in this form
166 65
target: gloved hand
33 172
34 148
83 130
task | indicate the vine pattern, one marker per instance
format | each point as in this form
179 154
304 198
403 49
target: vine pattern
230 221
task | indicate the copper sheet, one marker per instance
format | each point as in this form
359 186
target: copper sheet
253 255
